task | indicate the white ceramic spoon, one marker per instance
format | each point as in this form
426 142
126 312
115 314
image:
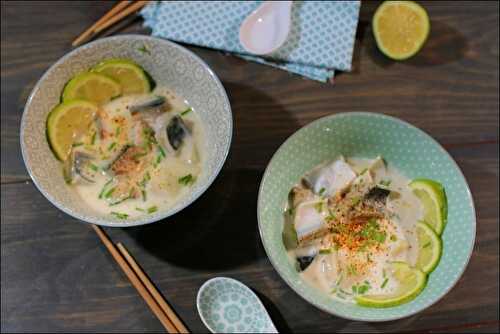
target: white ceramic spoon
226 305
267 27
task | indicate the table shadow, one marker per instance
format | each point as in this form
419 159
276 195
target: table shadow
219 230
276 316
444 45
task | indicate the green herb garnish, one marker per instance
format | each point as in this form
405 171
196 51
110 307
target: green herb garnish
92 139
187 111
325 251
319 206
101 194
77 144
384 283
394 238
139 209
322 191
109 192
187 179
356 200
363 171
144 49
118 131
152 209
143 193
426 245
119 215
385 182
111 146
93 167
162 152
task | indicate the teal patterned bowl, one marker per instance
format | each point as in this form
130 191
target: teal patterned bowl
368 135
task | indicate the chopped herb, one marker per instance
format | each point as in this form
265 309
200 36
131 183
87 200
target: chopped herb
152 209
290 211
345 292
322 191
139 209
379 236
101 194
385 182
187 179
143 193
354 289
109 192
162 152
92 140
158 160
340 296
351 270
339 280
363 171
383 273
77 144
187 111
426 245
356 200
120 201
139 155
363 289
144 49
393 237
119 215
118 131
319 206
334 290
384 283
93 167
111 146
325 251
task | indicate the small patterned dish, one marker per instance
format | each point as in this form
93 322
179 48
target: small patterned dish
172 66
228 306
368 135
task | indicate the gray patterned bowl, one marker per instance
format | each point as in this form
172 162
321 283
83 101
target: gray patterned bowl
172 66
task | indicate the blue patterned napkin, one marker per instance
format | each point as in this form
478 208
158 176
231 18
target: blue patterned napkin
321 38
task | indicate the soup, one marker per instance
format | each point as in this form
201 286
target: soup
131 152
354 227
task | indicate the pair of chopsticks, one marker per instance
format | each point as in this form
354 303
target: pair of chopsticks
140 281
117 13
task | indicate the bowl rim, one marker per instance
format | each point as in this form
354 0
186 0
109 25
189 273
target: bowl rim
153 218
392 119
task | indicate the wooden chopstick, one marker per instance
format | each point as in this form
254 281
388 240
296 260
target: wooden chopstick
151 288
129 10
136 282
87 33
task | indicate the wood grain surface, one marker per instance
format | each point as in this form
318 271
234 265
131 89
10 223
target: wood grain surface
56 276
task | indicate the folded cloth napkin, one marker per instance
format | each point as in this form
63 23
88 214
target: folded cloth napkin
321 38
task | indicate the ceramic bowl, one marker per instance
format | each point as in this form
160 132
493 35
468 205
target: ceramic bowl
170 65
368 135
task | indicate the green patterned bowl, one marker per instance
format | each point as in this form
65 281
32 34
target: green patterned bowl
367 135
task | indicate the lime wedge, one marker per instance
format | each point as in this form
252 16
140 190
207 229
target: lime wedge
93 87
400 28
430 248
67 122
132 78
433 198
411 282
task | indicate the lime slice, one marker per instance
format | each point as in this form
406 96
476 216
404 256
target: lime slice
93 87
66 122
132 78
430 248
400 28
411 282
433 198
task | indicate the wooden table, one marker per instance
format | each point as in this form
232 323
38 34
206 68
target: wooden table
58 277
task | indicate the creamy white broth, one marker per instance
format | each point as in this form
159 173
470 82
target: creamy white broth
164 187
329 272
